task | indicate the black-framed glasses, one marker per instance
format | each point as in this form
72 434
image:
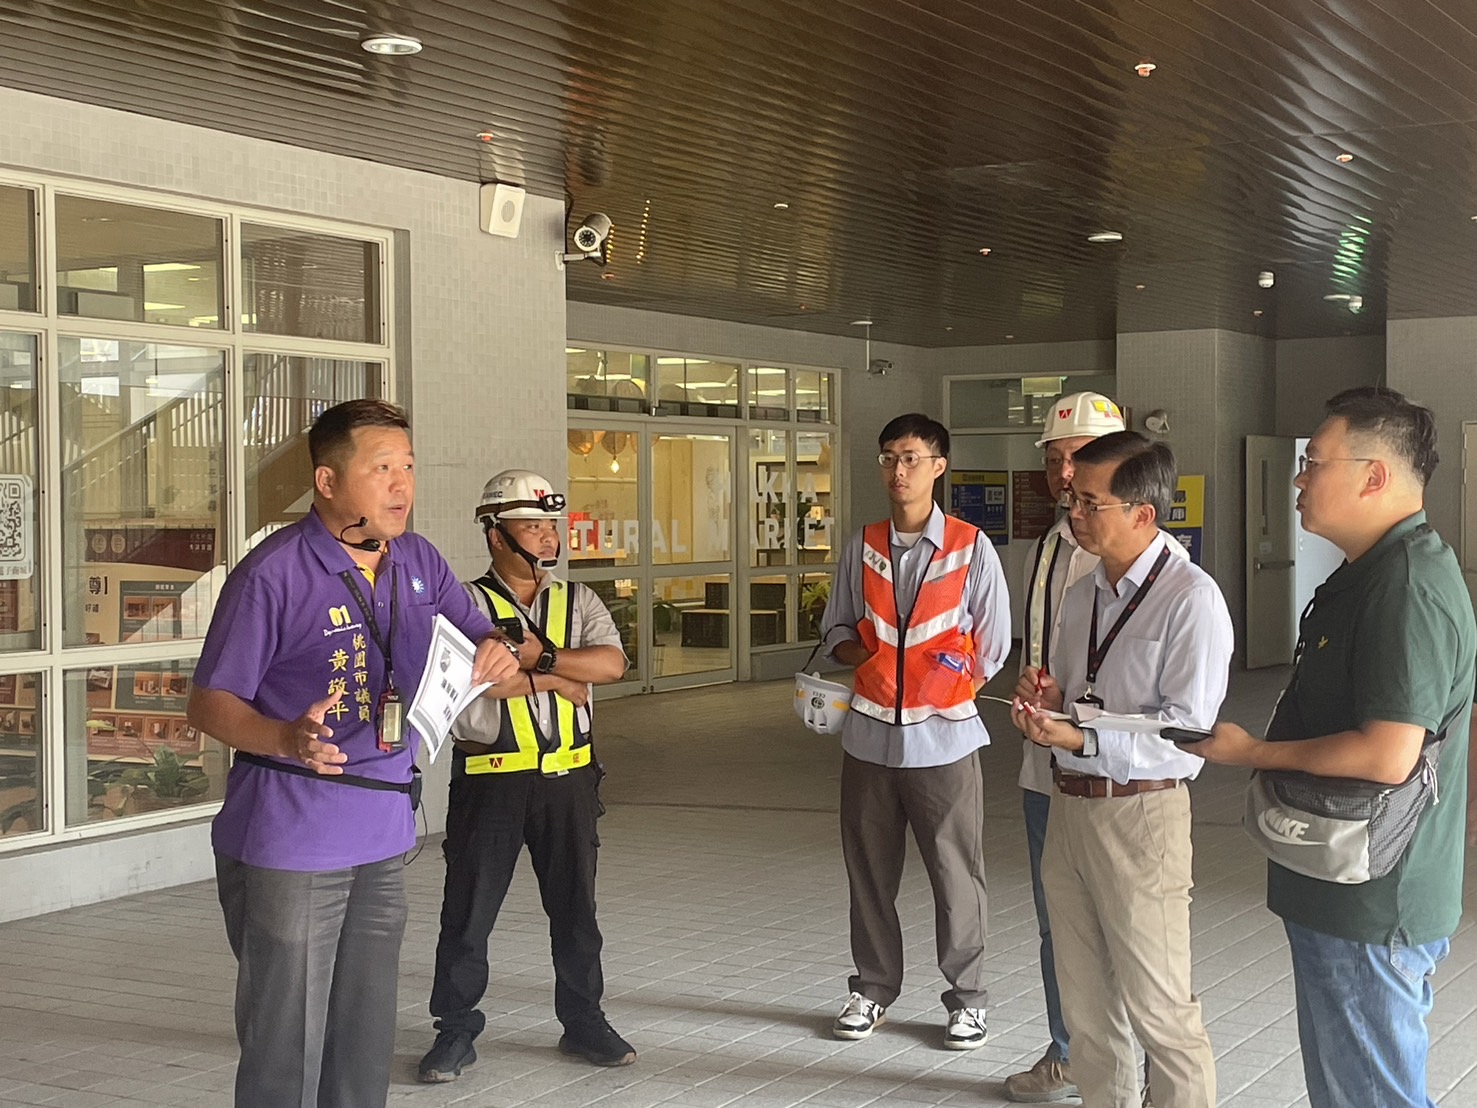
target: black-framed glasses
908 459
1306 463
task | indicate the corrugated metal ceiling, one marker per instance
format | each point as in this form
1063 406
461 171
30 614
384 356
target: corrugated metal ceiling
902 136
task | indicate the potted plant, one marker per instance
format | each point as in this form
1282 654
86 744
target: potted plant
813 599
122 789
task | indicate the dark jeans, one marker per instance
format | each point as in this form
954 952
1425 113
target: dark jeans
1037 808
319 958
490 819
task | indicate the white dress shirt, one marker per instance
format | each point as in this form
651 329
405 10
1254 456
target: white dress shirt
1042 581
1172 660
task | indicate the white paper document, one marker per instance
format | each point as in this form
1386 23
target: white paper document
446 685
1092 715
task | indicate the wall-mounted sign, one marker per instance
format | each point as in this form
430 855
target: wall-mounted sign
1032 510
978 497
1186 520
17 538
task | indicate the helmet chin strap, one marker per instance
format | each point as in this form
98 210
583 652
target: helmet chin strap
534 564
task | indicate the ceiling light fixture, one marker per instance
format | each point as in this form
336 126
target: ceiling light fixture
1266 279
781 206
1145 68
1256 311
1338 297
1141 287
1010 338
1343 157
984 251
485 136
1105 236
391 44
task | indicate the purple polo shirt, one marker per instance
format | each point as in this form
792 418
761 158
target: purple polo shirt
286 631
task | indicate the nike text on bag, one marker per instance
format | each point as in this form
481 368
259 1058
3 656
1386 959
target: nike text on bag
1337 829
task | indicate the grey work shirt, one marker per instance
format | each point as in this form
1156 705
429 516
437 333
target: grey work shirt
935 741
591 625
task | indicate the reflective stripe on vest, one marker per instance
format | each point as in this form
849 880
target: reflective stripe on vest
519 729
903 682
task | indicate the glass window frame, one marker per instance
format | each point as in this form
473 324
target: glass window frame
739 426
51 659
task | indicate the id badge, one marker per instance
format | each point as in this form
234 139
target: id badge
391 717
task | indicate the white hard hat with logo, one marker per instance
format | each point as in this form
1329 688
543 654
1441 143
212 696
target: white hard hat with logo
821 704
520 494
1082 415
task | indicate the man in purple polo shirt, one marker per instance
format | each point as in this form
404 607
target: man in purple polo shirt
314 650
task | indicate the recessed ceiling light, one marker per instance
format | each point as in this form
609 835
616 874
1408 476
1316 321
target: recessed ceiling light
485 136
781 206
1141 287
984 251
948 328
1009 338
1145 68
607 276
861 323
1343 157
1256 311
1338 296
1105 236
391 44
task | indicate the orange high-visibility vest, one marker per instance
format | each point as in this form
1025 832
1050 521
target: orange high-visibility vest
904 681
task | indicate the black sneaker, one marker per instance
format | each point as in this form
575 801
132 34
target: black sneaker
445 1061
597 1042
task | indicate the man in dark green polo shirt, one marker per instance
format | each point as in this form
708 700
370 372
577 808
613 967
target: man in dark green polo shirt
1386 666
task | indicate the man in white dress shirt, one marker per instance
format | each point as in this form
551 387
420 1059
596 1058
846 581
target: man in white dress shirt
1056 563
1145 633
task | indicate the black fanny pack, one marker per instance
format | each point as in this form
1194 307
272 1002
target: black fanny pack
411 788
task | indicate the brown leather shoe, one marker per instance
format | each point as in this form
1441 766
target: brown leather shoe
1049 1080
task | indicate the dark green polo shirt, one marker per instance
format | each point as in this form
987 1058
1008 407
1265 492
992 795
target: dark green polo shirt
1389 637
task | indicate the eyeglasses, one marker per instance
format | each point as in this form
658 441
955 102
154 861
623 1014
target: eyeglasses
1077 504
908 459
1306 463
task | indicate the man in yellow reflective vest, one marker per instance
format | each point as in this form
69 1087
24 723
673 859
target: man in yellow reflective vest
523 773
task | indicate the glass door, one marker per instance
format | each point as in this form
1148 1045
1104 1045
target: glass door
693 599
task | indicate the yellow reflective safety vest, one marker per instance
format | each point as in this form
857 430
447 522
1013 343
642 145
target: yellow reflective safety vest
520 746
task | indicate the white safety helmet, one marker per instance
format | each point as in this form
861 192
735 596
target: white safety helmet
520 494
1082 414
820 703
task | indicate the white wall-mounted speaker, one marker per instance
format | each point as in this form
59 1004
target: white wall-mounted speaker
502 209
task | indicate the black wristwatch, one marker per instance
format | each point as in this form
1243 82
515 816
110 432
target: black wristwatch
547 659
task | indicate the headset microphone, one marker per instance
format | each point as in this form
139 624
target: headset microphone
370 545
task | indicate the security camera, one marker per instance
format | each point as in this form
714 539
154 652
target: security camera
1266 279
590 235
878 367
591 241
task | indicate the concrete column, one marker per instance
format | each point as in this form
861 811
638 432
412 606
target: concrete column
1218 387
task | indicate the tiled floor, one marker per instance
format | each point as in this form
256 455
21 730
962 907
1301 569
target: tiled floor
723 902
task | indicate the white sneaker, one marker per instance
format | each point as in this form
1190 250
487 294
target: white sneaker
858 1018
966 1029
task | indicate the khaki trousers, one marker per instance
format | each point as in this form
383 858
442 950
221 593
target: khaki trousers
945 806
1117 878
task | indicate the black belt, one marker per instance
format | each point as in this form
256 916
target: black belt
411 788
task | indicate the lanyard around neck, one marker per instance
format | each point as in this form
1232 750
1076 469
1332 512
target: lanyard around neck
1095 653
383 641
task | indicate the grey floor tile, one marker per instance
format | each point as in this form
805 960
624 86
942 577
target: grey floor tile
723 902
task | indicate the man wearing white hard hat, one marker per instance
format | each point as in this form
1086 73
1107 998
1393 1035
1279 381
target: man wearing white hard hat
524 773
1056 562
